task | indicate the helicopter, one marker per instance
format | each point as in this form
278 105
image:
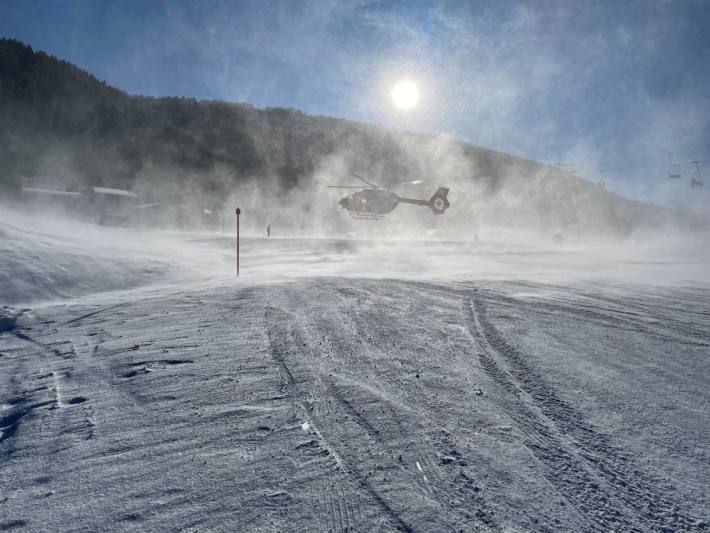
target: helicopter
374 201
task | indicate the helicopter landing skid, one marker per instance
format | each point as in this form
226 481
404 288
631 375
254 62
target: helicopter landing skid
366 216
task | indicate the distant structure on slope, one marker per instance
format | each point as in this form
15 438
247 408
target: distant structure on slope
673 168
695 180
120 207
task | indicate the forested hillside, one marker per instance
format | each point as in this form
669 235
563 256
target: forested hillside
61 127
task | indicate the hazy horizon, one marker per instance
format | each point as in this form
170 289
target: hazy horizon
609 88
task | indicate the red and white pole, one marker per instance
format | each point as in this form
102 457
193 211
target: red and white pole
239 212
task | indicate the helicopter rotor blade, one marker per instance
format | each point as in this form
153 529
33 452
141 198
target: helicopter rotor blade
363 179
351 187
415 182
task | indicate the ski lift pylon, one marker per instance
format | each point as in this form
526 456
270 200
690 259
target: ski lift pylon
695 180
673 168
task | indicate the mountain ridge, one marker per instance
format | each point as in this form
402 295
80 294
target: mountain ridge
63 127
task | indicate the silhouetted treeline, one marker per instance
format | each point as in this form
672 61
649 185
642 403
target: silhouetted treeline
109 136
59 122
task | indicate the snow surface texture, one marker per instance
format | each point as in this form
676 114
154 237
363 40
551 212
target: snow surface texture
342 385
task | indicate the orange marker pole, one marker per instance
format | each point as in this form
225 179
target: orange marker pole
239 212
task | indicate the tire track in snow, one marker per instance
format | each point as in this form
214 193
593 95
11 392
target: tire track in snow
449 500
87 315
660 319
417 478
578 457
282 335
104 308
458 499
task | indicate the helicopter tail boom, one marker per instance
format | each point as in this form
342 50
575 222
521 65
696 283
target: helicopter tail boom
437 203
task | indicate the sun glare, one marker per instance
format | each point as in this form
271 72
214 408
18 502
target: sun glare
405 95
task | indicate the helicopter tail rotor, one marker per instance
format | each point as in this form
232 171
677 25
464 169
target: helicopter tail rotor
439 202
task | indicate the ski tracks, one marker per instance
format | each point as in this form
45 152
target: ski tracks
328 415
600 479
386 470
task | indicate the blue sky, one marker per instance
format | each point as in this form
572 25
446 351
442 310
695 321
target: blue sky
611 86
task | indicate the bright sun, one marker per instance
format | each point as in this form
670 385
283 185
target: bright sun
405 95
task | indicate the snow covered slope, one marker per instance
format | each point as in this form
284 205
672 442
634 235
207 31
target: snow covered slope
49 259
404 398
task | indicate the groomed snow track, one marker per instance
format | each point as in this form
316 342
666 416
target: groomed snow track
359 405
